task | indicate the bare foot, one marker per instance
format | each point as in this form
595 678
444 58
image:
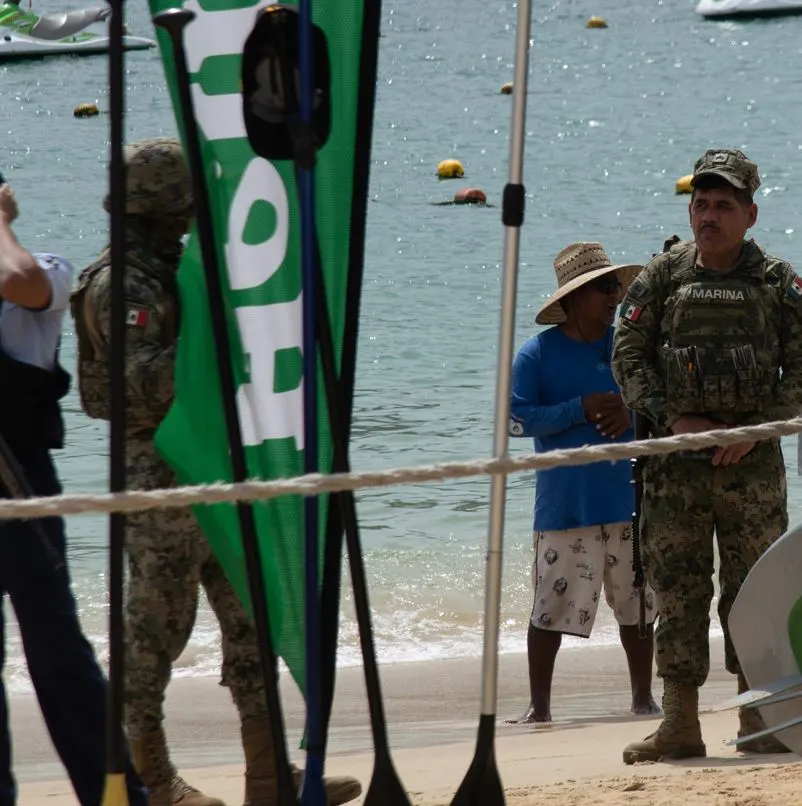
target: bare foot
528 717
644 707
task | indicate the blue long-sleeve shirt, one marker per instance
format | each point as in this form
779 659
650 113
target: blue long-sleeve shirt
550 376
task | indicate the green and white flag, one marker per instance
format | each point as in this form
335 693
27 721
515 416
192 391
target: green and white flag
257 232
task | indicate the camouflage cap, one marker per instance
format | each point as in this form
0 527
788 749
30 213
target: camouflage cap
157 179
729 164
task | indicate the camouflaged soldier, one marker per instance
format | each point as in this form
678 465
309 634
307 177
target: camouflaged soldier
168 555
704 333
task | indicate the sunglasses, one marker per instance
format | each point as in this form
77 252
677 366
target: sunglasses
606 285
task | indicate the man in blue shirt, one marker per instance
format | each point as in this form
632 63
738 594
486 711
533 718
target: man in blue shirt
70 687
564 395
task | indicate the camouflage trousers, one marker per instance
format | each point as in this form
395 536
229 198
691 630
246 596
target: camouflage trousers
168 559
686 500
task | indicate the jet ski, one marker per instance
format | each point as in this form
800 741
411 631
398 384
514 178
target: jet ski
747 9
24 34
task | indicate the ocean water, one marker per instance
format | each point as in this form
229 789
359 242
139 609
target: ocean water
614 118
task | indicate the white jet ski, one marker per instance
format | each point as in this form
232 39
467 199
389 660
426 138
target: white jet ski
747 9
24 34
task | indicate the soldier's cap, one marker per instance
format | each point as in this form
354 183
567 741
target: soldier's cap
158 182
730 164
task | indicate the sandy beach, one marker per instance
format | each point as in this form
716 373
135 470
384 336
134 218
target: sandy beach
575 760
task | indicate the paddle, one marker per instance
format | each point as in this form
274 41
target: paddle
116 793
312 792
641 426
173 21
272 41
482 783
385 786
765 694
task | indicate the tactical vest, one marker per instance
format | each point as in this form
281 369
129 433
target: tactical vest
93 351
93 359
30 415
721 353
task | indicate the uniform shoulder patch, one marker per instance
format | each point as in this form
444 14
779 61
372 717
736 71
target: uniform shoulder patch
137 315
638 289
516 428
795 288
632 312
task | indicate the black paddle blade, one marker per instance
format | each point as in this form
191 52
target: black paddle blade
270 81
385 786
482 783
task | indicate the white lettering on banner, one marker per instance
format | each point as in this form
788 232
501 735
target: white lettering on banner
219 116
263 329
216 33
266 414
717 293
252 266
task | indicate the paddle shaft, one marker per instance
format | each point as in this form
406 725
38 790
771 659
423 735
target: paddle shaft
174 21
117 397
641 427
482 784
312 793
341 464
512 217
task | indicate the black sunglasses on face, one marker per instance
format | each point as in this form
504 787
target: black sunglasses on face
606 285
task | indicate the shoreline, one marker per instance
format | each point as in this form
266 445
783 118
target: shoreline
576 759
428 703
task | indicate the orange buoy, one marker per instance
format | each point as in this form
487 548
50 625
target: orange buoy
470 196
596 22
506 89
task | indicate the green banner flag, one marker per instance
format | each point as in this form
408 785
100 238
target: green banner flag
257 232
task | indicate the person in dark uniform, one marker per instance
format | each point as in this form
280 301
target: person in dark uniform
69 684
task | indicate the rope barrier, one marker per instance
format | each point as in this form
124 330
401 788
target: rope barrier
317 483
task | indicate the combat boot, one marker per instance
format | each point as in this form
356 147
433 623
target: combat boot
679 734
260 770
166 787
750 722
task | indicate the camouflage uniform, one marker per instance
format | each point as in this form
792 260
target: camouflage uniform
168 554
698 342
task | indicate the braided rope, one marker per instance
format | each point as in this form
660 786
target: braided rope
316 483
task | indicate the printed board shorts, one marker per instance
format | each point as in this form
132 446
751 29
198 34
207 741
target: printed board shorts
569 570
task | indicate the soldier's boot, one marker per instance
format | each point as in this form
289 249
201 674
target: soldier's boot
750 722
679 734
165 786
260 770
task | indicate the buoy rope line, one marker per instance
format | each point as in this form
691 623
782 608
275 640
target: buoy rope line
316 483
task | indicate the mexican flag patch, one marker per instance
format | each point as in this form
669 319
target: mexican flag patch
795 289
632 313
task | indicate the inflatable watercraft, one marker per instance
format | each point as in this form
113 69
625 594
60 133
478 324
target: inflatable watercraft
24 34
746 9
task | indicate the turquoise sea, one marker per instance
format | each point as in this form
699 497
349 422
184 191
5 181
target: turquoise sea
615 116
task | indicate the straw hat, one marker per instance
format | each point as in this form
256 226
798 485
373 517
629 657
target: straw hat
577 264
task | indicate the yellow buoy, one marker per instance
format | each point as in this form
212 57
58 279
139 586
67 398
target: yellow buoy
506 89
596 22
450 169
86 111
684 184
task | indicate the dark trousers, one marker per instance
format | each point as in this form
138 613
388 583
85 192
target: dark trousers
68 681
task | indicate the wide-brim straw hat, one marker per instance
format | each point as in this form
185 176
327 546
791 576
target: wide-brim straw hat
576 265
